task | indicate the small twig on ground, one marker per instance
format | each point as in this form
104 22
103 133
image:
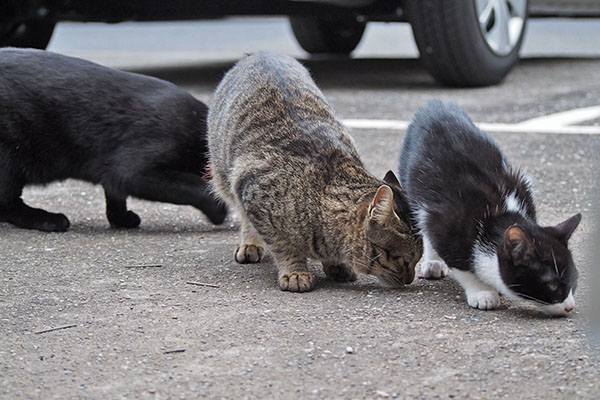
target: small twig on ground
144 266
203 284
174 351
58 328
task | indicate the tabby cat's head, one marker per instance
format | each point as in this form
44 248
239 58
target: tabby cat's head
393 246
535 264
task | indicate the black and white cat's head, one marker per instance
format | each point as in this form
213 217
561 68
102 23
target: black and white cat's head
535 264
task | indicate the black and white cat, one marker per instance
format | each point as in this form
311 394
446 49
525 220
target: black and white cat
477 216
62 117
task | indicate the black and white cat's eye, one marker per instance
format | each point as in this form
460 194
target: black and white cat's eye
553 286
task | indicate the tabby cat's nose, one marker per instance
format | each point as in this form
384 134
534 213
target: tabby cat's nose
569 307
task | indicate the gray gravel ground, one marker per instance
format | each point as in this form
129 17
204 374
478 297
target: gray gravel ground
146 333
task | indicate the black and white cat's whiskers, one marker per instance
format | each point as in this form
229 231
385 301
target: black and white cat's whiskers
488 269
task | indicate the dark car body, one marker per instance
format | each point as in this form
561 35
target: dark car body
457 43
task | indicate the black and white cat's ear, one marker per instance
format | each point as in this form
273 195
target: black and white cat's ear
519 245
391 179
565 229
382 205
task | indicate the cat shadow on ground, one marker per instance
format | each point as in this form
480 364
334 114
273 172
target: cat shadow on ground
338 73
453 294
328 73
150 228
523 311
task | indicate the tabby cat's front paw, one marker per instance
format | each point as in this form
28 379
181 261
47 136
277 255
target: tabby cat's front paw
249 254
339 272
301 281
484 300
433 269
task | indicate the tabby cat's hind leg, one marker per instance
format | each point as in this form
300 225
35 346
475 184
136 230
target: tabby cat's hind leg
252 247
117 213
23 216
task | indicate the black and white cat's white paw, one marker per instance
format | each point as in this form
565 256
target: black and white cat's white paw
433 269
484 300
479 294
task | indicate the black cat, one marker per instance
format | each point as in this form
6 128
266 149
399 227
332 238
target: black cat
62 117
477 216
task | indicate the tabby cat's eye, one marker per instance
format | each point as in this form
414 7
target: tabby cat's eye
553 286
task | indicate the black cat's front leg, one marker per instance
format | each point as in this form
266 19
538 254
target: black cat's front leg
23 216
117 213
339 272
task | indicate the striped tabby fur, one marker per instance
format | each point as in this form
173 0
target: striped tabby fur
286 165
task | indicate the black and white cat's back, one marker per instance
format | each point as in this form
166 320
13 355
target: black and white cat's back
477 216
63 117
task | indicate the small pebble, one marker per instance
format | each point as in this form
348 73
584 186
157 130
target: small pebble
349 350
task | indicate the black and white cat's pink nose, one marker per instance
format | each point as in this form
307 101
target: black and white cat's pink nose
569 303
569 307
563 308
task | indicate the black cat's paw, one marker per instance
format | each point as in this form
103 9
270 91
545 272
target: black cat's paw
216 213
128 220
51 223
339 272
23 216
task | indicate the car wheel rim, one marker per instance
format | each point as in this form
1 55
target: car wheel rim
501 23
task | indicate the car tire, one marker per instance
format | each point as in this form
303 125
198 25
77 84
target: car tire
35 33
323 35
457 49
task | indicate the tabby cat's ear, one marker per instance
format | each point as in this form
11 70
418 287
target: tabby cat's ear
519 246
391 179
381 208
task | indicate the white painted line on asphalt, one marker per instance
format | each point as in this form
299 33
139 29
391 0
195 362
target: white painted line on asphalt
559 123
556 130
565 118
390 124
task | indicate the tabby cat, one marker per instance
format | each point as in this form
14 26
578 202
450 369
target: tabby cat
477 216
281 159
62 117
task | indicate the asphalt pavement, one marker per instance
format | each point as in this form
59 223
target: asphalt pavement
165 312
